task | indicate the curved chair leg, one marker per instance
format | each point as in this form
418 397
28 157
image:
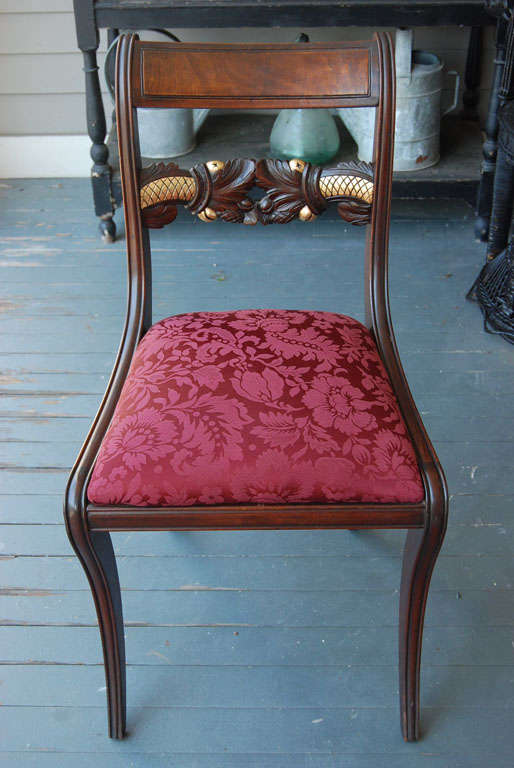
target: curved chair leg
110 619
96 554
421 549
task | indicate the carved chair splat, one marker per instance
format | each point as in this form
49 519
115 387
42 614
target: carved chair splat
292 189
96 502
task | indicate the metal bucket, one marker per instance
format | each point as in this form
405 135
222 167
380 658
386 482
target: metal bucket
168 132
419 79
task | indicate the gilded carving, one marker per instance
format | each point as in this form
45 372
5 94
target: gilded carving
223 187
179 188
292 189
346 186
284 199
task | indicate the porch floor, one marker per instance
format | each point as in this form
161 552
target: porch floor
246 650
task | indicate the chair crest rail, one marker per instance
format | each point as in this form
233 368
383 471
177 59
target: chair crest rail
292 189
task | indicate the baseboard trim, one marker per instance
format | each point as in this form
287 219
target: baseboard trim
23 157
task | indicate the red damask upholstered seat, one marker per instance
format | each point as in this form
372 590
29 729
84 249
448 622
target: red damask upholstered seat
262 406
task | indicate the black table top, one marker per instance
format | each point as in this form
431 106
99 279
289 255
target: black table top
138 14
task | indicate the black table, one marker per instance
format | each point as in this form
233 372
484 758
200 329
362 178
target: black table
92 15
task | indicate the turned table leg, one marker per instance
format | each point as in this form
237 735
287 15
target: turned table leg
97 129
490 146
503 189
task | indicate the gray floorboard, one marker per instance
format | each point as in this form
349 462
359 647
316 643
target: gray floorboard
248 649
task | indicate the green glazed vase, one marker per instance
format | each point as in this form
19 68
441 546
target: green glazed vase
308 134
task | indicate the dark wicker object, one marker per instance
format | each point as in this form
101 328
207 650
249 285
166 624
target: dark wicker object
494 292
493 289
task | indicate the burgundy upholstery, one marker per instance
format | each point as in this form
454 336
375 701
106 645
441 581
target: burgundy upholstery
256 406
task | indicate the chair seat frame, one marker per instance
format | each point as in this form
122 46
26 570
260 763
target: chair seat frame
88 525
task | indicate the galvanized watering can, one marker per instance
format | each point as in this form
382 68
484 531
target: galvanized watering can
419 78
162 132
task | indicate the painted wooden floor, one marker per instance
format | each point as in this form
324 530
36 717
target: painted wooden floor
268 650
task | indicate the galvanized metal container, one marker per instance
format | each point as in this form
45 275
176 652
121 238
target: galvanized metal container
168 132
419 79
163 133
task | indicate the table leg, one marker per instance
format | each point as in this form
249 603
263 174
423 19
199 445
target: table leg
503 198
97 129
489 148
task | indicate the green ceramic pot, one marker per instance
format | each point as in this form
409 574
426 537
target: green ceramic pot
308 134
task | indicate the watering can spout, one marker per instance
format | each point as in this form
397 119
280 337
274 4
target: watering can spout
199 116
403 54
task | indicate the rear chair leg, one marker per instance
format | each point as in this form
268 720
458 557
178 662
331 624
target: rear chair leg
421 549
96 554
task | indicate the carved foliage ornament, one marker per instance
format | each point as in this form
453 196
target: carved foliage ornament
292 189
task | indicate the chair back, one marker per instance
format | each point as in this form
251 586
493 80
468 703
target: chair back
257 76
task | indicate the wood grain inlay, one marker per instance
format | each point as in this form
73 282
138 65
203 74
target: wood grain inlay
255 74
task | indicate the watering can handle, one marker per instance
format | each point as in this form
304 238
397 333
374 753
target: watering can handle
455 93
403 52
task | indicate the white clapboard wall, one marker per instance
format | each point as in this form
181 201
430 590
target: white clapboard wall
42 103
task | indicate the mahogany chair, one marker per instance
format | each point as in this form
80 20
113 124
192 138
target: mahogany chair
263 419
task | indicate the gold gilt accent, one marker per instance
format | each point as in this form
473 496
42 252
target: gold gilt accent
208 214
215 165
297 165
306 214
346 186
169 188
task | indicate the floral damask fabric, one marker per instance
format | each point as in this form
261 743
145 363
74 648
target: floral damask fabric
256 406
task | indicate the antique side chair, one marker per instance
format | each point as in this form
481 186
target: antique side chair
256 419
